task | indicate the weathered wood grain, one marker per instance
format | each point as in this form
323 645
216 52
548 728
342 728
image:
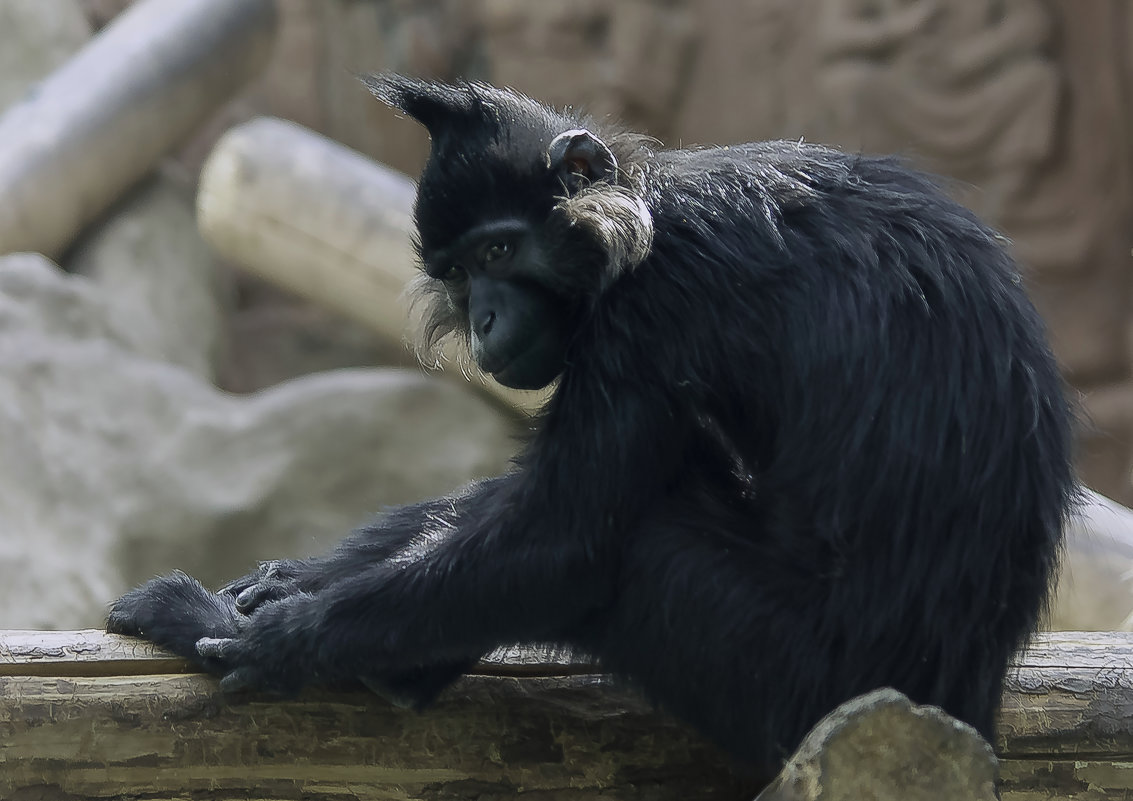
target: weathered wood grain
91 652
1066 727
97 716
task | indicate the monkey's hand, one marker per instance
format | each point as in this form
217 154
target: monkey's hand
277 651
174 611
271 581
272 650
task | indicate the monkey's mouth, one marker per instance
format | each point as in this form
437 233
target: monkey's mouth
533 368
493 364
521 362
511 375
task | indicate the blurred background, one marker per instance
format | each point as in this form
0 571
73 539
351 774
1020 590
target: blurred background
201 326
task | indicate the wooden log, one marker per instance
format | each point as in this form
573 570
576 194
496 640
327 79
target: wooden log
98 716
324 222
1066 727
548 729
101 122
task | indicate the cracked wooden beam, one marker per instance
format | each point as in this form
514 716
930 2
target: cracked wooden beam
98 716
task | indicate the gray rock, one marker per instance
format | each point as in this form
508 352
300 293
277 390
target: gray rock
160 276
35 38
101 12
274 336
115 467
1095 577
881 747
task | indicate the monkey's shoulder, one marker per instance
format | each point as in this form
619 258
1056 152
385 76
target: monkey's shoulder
787 171
755 196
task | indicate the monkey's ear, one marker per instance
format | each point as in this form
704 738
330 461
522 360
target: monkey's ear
579 157
437 106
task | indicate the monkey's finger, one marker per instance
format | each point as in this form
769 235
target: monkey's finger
240 680
121 621
235 587
222 649
249 598
258 594
265 570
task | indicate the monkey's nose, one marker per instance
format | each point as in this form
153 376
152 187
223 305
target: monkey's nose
486 322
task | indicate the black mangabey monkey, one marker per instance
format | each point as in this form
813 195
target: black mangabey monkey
807 439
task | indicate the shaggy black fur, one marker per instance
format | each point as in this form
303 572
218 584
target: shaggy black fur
808 440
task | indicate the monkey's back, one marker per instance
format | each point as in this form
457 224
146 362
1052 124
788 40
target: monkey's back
873 358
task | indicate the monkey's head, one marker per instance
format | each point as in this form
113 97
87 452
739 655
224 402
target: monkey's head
525 216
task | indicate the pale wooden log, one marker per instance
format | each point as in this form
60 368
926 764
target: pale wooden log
1066 727
562 736
554 729
83 653
92 652
103 119
322 221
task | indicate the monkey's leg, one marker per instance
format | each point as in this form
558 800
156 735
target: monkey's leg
752 633
714 632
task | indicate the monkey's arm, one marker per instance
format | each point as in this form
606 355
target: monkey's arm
175 611
400 533
531 557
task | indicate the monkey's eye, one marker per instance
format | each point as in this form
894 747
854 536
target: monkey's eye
497 251
454 274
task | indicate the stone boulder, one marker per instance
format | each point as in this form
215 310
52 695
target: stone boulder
881 747
115 467
35 38
162 280
1095 591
